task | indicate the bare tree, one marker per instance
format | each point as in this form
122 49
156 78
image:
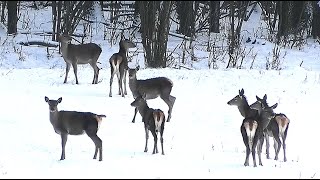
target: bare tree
186 15
154 17
315 20
12 17
235 28
214 16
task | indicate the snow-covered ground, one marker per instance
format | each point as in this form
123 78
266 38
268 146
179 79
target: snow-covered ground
202 140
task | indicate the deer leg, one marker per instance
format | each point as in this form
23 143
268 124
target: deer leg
96 73
64 138
253 151
125 81
284 136
260 144
134 116
147 137
75 70
155 144
121 80
67 71
246 143
98 145
277 145
169 100
284 148
111 80
267 144
161 138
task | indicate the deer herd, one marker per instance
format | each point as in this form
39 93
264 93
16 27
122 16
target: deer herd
260 121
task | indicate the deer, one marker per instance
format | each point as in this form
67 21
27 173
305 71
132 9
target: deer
272 128
153 88
153 119
74 54
119 65
75 123
277 127
251 129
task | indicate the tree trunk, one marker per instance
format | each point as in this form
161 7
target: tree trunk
155 16
12 17
54 20
3 7
315 20
186 16
214 16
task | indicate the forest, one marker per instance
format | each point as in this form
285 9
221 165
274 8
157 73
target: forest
286 23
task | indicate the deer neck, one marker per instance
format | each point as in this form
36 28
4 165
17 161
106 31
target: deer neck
123 51
133 85
244 108
143 108
64 49
54 117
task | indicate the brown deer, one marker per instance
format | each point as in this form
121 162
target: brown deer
119 65
154 121
74 54
276 128
75 123
153 87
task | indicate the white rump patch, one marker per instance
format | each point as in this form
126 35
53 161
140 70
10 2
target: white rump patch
251 132
158 119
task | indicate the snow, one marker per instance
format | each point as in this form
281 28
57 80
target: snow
202 140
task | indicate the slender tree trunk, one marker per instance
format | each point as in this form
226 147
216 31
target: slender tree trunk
12 17
315 20
214 16
3 11
155 16
186 16
54 20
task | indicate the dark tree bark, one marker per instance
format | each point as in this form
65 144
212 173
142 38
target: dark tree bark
12 17
154 17
291 17
186 16
214 16
3 7
315 20
54 20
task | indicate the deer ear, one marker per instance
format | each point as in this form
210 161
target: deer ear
258 98
59 100
274 106
265 97
241 92
46 99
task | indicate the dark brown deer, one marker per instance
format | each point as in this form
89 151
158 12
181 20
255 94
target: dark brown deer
153 88
277 127
154 121
251 129
119 65
75 123
74 54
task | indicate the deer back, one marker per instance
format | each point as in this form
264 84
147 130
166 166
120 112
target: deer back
82 53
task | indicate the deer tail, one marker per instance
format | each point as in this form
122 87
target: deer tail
283 122
251 130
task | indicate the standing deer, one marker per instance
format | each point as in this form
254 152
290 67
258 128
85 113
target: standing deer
119 65
75 123
277 127
152 88
154 120
251 129
79 54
